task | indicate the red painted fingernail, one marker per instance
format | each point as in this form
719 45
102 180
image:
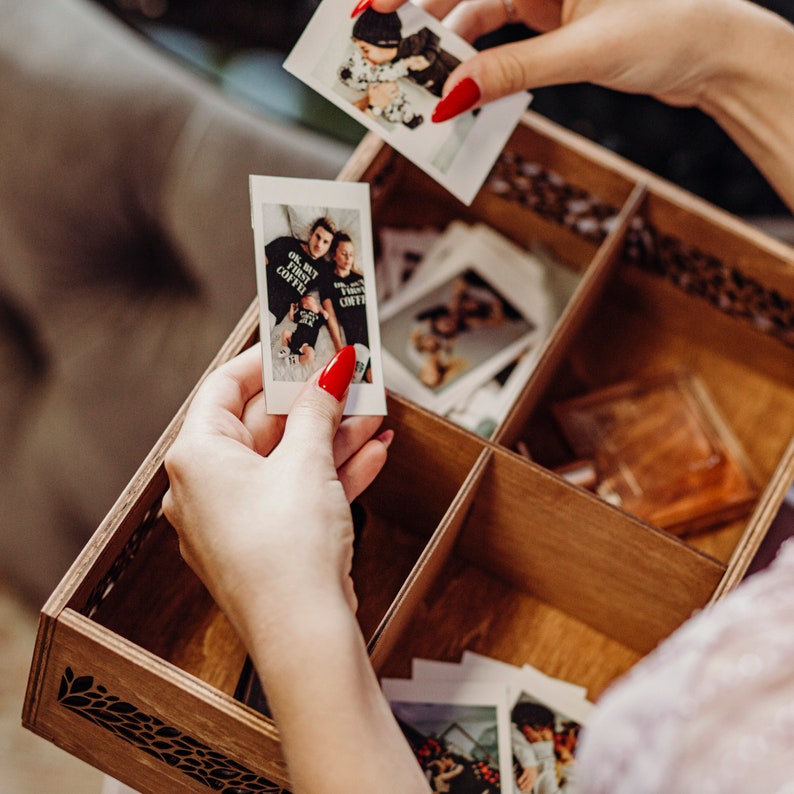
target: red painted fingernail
338 373
464 96
361 6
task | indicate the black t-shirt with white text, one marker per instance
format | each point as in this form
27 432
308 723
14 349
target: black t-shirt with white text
290 274
309 324
348 298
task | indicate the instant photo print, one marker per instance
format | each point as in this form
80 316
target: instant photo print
546 715
316 284
459 725
471 311
387 72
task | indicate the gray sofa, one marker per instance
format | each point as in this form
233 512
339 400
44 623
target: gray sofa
126 257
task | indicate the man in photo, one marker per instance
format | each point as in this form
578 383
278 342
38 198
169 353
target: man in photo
435 65
292 267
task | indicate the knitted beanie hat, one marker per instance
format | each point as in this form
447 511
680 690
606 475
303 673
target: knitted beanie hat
382 30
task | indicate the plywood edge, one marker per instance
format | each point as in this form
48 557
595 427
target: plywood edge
765 511
38 668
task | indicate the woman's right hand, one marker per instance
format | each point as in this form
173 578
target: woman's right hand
733 59
639 46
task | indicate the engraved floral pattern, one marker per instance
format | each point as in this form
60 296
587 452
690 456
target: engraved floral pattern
122 561
193 758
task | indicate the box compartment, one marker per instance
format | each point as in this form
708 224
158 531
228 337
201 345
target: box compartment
642 324
541 573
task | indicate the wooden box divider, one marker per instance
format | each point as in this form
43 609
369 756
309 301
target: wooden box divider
629 580
428 568
600 271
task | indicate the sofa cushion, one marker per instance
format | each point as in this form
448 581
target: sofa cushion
126 259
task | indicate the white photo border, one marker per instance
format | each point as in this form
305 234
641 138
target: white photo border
481 135
363 398
567 701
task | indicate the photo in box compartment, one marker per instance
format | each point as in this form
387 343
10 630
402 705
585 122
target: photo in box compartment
458 732
457 327
315 278
508 280
546 716
454 337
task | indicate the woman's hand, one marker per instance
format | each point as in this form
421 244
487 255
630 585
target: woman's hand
260 502
638 46
733 59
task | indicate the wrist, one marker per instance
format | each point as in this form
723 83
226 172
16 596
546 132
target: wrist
284 643
317 673
749 93
277 615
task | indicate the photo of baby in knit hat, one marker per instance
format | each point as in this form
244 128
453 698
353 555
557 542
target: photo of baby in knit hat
388 72
383 57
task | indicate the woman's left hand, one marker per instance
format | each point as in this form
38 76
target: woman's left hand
260 504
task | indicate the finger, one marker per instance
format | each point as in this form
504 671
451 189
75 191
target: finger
361 469
570 54
561 56
352 434
475 18
540 15
317 410
266 429
437 8
229 388
381 6
440 8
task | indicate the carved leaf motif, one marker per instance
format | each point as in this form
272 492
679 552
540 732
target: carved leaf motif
164 742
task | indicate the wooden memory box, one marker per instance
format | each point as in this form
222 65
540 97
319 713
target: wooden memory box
467 544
